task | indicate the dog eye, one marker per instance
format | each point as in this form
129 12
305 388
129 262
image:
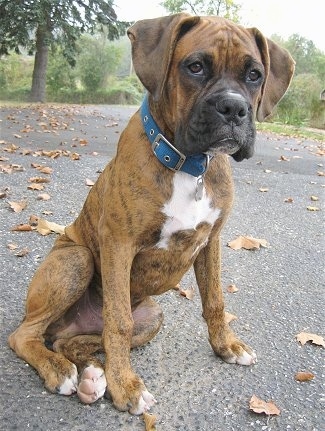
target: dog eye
254 75
196 68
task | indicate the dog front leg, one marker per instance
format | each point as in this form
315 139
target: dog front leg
225 344
127 390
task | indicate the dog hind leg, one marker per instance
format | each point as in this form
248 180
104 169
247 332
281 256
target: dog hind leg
51 292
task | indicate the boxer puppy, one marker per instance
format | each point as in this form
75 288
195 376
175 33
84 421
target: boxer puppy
156 210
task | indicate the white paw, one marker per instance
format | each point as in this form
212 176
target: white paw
244 359
146 401
92 384
69 386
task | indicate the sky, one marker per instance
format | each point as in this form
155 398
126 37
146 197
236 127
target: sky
282 17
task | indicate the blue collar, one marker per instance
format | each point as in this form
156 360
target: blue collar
166 153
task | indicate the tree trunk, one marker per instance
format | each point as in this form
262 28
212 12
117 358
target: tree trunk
38 92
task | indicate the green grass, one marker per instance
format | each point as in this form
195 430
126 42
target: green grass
293 131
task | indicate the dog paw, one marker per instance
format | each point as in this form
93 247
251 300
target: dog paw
146 401
92 384
244 358
69 386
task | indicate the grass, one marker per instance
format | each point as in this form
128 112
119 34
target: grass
293 131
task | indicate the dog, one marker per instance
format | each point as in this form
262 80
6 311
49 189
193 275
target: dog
156 210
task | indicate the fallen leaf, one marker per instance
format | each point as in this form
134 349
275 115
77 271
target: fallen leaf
263 190
289 200
304 337
232 288
83 142
188 293
314 198
149 421
45 227
43 197
310 208
230 317
304 376
39 180
284 159
22 252
247 242
45 169
89 182
260 406
35 186
33 220
24 227
75 156
321 174
17 207
12 246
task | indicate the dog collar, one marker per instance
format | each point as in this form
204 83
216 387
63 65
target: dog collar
195 165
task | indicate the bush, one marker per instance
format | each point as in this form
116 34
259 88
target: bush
301 104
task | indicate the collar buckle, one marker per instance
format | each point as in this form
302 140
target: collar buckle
171 156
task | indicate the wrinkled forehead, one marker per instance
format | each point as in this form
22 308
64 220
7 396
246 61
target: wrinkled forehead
220 38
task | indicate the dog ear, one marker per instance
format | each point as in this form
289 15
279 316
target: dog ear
153 43
279 68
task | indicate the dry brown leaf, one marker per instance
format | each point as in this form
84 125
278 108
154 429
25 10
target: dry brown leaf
188 293
35 186
17 207
12 246
89 182
289 200
260 406
232 288
247 242
45 170
22 252
45 227
83 142
284 159
24 227
304 376
33 220
230 317
75 156
43 197
304 337
39 180
149 421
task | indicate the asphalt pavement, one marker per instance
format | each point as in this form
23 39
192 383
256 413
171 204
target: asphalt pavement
279 198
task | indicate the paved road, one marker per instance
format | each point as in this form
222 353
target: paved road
281 288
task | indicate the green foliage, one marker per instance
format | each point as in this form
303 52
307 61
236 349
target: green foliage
60 75
96 61
63 20
225 8
301 104
15 71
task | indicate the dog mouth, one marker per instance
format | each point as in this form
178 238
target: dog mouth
224 146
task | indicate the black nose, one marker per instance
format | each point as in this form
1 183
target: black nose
232 108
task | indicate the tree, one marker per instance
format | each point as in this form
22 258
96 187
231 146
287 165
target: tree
36 26
226 8
96 61
308 58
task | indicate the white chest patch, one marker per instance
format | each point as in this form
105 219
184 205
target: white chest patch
183 211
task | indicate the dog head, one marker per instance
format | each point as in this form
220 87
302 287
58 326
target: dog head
209 79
